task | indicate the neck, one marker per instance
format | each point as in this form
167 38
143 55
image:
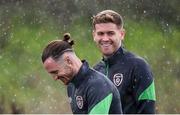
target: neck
107 56
77 65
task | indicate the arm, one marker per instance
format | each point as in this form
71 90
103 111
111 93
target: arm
99 98
144 89
103 106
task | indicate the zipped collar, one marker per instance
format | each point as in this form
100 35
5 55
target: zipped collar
115 57
81 75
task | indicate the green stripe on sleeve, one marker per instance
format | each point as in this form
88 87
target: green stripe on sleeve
103 106
149 93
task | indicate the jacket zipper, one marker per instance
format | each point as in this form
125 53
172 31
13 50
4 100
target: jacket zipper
107 68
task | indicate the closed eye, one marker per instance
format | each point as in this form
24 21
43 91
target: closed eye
54 72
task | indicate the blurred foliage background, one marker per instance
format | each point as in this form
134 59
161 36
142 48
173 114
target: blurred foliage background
26 26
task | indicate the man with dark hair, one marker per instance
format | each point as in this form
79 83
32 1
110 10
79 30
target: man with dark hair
89 91
130 73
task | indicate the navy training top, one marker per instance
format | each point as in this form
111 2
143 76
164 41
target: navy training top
132 76
90 92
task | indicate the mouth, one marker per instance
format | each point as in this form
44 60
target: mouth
105 44
65 80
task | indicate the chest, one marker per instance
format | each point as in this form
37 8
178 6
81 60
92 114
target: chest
121 74
77 99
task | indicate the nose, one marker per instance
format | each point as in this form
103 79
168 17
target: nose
105 37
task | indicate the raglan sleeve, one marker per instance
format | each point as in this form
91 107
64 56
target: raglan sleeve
99 98
143 87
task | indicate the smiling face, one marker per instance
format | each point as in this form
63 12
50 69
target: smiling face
108 37
59 70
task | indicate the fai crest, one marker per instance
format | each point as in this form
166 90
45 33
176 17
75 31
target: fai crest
117 79
79 101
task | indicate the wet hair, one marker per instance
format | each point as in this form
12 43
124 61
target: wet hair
57 47
108 16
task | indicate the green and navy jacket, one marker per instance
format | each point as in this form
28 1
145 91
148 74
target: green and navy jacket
90 92
133 78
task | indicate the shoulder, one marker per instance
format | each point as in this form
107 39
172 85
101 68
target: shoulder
99 86
135 59
99 64
99 80
95 76
141 68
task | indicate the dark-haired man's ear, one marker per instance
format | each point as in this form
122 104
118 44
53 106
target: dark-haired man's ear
68 60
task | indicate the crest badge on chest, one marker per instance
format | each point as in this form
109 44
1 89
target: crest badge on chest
117 79
79 101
